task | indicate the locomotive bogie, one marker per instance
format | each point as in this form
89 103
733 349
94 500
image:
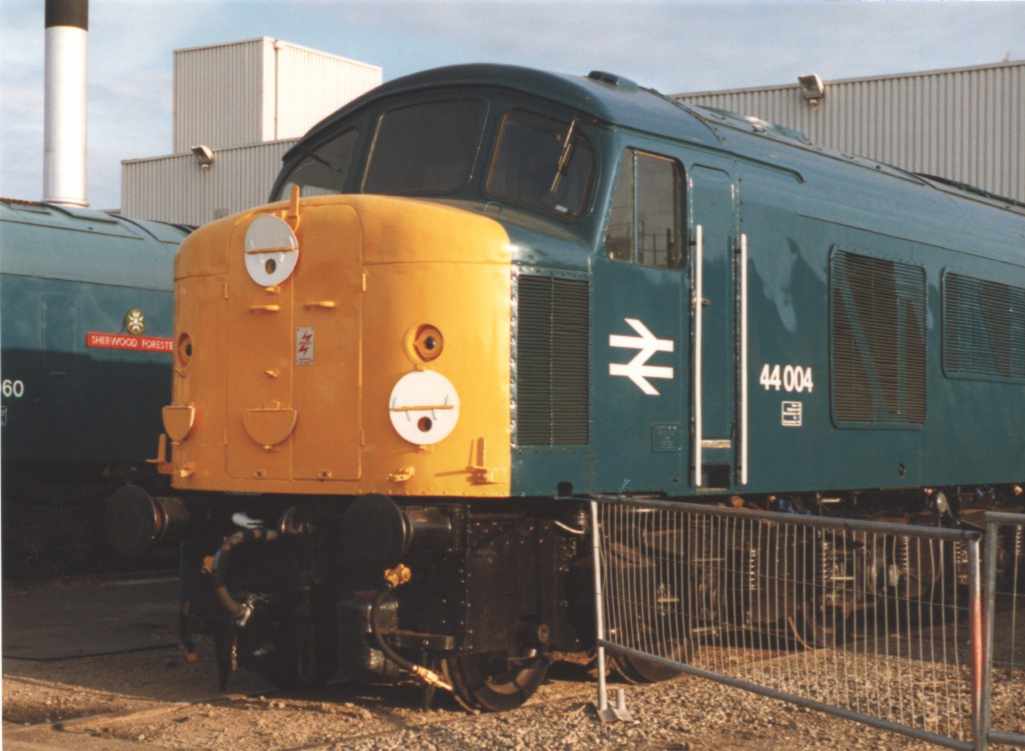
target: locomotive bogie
478 582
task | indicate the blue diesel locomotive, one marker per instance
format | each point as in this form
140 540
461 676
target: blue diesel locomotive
86 319
486 294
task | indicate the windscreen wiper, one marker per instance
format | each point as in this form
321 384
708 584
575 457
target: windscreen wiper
564 155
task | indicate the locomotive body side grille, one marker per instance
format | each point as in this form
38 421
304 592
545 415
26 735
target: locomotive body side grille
983 328
534 361
552 361
878 340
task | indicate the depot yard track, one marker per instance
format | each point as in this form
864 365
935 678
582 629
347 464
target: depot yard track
59 694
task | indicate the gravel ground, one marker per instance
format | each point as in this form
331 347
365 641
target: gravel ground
155 701
151 699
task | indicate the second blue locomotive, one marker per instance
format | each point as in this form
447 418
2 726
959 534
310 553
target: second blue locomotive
86 314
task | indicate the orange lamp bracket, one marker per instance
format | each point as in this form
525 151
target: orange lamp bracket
178 421
292 215
269 426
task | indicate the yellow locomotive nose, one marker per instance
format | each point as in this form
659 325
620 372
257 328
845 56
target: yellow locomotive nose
345 345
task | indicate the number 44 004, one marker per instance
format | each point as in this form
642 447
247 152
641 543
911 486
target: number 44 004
791 378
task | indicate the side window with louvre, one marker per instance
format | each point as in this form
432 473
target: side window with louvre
552 361
983 329
646 216
878 366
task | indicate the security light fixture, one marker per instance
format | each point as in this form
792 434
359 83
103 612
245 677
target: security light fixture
204 155
812 88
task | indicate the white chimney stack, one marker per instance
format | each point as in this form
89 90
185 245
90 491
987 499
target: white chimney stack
67 29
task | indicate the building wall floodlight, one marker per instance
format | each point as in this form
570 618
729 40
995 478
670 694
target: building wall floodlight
812 88
204 155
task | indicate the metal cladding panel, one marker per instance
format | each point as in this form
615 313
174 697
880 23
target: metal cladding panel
66 272
83 403
176 189
963 124
259 90
311 85
218 95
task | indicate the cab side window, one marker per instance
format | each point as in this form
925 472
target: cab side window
646 218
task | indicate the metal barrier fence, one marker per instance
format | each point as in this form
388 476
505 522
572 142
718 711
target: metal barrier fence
878 623
1003 698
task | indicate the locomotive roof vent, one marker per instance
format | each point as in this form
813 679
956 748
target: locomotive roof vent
612 79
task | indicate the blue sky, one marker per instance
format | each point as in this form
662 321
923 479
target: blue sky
673 46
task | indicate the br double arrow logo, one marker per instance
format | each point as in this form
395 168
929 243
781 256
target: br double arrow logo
638 370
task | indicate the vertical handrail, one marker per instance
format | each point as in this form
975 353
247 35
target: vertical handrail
599 615
743 361
698 305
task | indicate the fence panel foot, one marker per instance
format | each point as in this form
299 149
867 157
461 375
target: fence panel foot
616 712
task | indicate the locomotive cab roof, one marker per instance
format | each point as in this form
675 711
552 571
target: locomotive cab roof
86 245
843 186
603 96
616 100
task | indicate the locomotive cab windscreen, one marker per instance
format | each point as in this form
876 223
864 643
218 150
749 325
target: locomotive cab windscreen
488 150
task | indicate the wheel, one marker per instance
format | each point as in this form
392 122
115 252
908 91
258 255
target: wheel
822 572
300 659
635 669
292 665
494 682
658 610
816 628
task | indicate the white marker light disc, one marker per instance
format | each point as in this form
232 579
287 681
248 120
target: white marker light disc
424 407
271 250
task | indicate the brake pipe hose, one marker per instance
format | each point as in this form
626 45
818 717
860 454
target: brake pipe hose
426 675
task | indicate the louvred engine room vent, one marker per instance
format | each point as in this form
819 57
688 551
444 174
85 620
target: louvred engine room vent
552 361
983 328
877 309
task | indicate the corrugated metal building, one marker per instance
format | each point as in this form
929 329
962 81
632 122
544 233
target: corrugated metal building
174 188
259 90
247 102
965 124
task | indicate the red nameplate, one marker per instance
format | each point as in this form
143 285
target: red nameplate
102 340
